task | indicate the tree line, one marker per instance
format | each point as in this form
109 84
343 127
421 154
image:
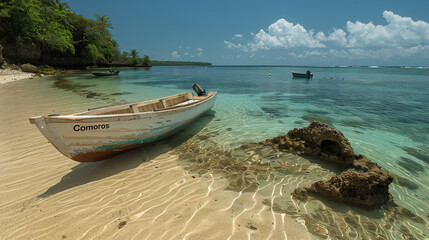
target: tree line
52 28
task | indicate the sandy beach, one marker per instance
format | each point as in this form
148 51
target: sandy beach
142 194
8 75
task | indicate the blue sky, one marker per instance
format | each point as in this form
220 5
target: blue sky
239 32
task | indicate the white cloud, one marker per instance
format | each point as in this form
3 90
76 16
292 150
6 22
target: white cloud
336 38
390 53
293 54
200 49
401 36
400 31
283 34
361 53
200 54
305 54
175 54
315 53
186 54
235 45
238 35
338 53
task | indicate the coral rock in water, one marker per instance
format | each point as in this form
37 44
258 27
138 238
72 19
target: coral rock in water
364 184
355 187
319 140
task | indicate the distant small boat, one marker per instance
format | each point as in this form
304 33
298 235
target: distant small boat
104 132
301 75
110 73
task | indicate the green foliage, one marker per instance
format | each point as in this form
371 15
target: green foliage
94 32
134 55
146 59
53 27
104 20
124 55
38 22
57 38
46 69
90 52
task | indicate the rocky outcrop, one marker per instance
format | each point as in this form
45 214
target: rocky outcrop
1 55
318 140
29 68
363 184
11 66
33 54
368 189
15 53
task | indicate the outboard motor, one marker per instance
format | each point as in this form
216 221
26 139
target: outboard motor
199 90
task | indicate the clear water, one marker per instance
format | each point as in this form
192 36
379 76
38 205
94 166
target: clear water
384 113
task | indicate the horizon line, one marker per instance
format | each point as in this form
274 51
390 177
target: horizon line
321 66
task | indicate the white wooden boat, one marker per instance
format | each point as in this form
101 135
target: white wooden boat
104 132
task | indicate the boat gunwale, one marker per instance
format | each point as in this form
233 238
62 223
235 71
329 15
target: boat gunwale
79 117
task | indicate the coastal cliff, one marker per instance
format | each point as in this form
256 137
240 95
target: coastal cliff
35 55
1 55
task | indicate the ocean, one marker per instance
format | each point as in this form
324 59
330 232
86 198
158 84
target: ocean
383 111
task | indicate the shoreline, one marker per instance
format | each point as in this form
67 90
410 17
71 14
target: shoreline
9 75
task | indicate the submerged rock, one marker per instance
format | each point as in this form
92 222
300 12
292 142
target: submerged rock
355 187
364 183
319 140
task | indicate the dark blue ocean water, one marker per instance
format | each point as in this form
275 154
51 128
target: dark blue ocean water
383 111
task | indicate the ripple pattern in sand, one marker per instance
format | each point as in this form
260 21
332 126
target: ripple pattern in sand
144 194
194 189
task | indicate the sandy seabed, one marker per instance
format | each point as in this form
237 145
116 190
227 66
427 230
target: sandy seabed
142 194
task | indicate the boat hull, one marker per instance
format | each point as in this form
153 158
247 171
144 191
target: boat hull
301 75
94 139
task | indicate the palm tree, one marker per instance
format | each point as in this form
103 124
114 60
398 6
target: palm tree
124 55
146 59
63 6
104 20
134 55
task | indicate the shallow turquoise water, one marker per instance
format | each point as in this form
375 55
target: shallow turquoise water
382 111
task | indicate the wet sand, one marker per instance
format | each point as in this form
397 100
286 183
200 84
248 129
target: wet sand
143 194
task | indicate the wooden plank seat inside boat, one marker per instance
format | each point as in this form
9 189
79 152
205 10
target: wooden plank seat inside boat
179 100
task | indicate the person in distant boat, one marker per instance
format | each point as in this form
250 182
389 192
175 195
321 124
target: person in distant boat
308 72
